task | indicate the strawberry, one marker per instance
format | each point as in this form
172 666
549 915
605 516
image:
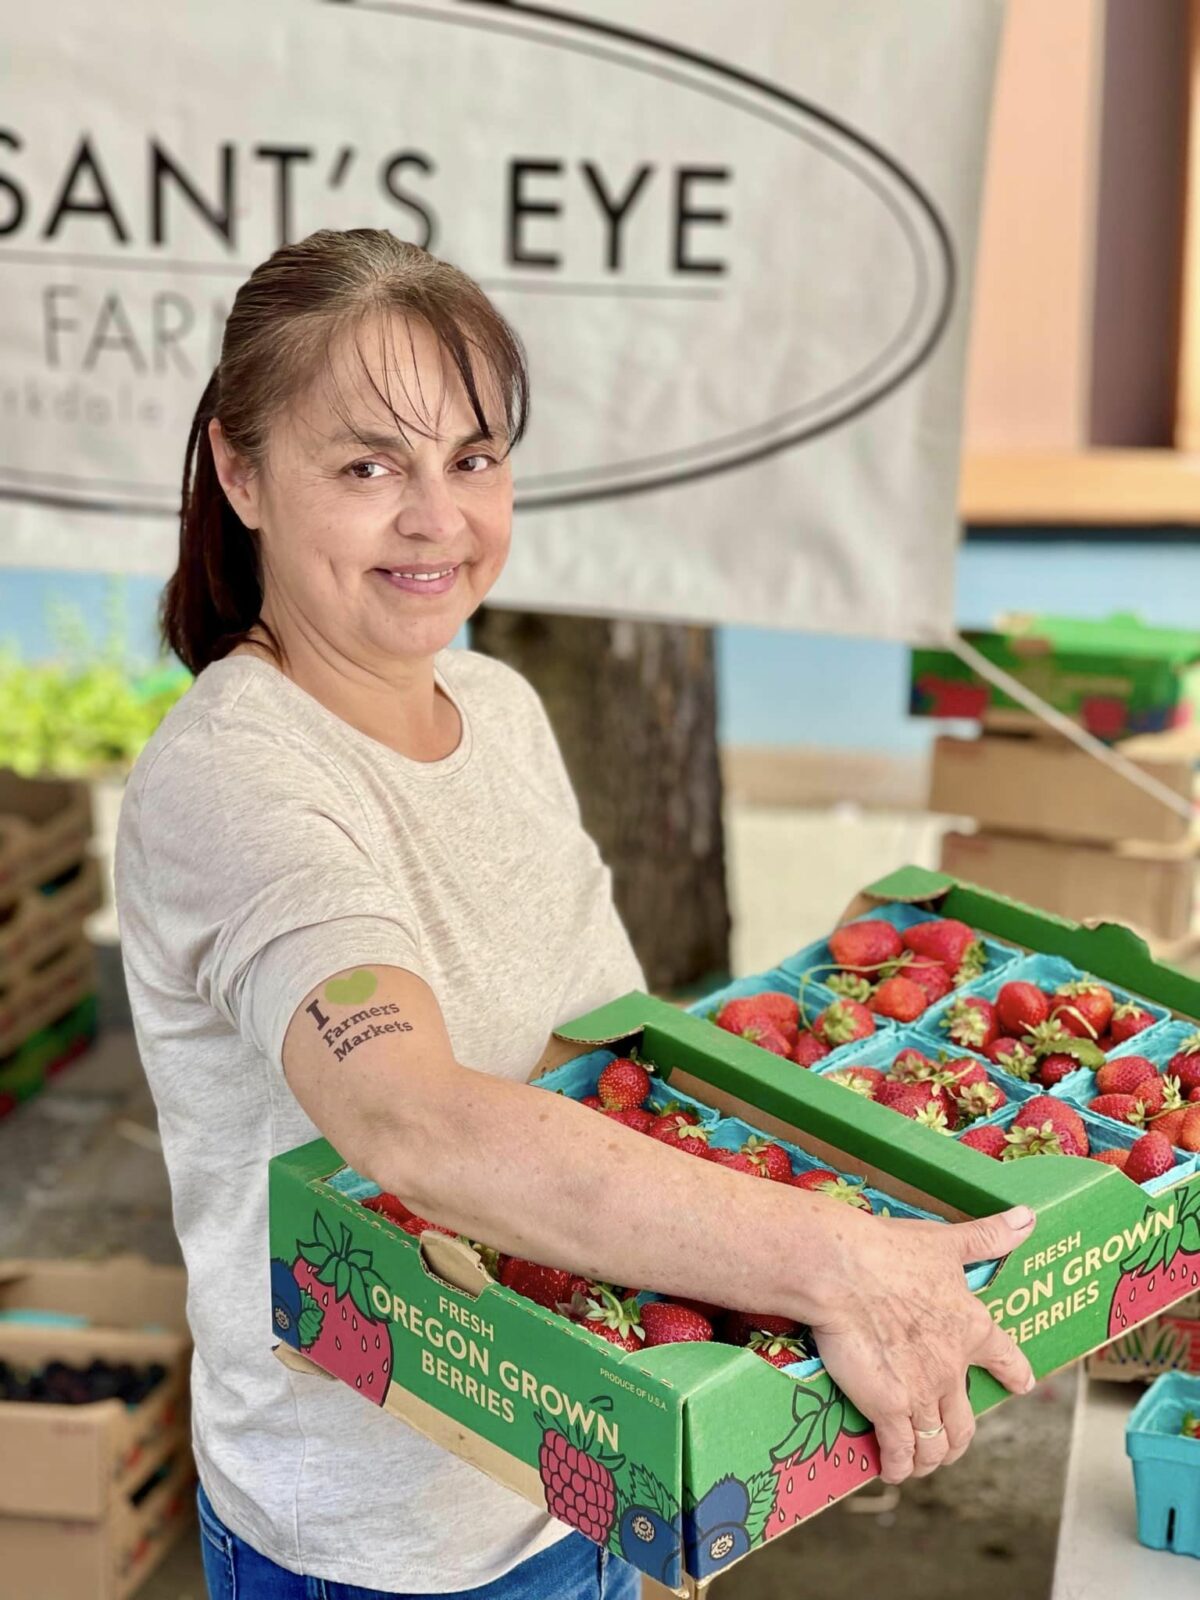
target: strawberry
862 1080
1129 1019
624 1085
1111 1158
1158 1095
1054 1068
962 1074
1019 1007
1195 1094
1189 1138
1124 1074
1037 1139
1185 1064
808 1049
900 999
1170 1124
926 1103
971 1022
680 1130
773 1158
844 1021
639 1118
1085 1009
780 1352
1150 1157
945 940
774 1040
1190 1428
1013 1056
545 1286
619 1321
1120 1107
665 1322
850 986
820 1180
910 1065
865 946
394 1209
781 1009
746 1017
593 1101
738 1161
1044 1107
737 1327
990 1141
930 976
977 1100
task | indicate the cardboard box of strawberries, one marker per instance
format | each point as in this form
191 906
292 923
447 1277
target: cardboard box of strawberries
944 1053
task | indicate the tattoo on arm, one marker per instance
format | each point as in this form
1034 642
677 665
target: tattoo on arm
350 994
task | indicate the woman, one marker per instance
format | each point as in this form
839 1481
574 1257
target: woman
341 808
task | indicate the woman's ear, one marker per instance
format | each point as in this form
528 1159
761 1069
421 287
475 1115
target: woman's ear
237 478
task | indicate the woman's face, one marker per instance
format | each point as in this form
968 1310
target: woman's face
378 540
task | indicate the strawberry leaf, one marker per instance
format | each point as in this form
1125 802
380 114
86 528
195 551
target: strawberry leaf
328 1273
341 1278
832 1426
314 1252
808 1409
321 1231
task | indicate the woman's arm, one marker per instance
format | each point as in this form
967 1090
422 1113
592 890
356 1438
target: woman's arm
541 1177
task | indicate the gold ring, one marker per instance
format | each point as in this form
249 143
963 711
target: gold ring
930 1433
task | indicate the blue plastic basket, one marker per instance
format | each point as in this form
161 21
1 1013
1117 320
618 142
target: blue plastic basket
580 1077
901 916
1157 1044
880 1052
1166 1466
1105 1134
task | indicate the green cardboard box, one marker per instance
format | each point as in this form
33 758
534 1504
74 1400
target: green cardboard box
1117 677
685 1458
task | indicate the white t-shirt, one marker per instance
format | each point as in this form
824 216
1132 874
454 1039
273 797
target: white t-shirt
264 844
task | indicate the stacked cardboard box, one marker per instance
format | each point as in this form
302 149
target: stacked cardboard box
1053 825
49 885
92 1495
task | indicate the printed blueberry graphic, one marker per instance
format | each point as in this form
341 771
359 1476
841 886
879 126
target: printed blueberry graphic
285 1303
651 1544
714 1532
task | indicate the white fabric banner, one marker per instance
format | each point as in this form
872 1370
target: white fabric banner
736 240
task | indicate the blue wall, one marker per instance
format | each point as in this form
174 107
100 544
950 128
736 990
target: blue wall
776 688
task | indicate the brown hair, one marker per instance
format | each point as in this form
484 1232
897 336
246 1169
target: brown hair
284 322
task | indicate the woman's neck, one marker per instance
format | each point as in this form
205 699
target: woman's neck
405 711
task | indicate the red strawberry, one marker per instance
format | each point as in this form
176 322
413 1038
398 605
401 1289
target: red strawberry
808 1049
900 999
1085 1009
1045 1107
1121 1107
1111 1158
865 946
1150 1157
616 1320
782 1009
545 1286
1157 1095
780 1352
593 1101
336 1326
862 1080
971 1022
639 1119
1124 1074
774 1040
680 1130
1170 1123
668 1323
745 1017
773 1157
926 1103
945 940
911 1066
1054 1068
1185 1064
990 1140
1129 1019
394 1209
844 1021
962 1073
1021 1006
820 1180
1039 1139
977 1100
624 1085
738 1326
1189 1139
1195 1094
930 976
738 1161
1014 1056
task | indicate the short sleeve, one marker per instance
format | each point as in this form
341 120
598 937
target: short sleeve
258 866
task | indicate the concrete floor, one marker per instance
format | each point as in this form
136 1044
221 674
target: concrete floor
80 1175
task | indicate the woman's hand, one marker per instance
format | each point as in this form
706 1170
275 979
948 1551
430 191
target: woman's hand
903 1328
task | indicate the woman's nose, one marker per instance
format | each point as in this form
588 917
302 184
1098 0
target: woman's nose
430 509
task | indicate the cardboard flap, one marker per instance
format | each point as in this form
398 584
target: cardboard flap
295 1362
452 1260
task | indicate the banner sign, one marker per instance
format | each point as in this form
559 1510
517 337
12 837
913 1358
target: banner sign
736 241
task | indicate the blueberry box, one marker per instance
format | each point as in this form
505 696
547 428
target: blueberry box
1166 1464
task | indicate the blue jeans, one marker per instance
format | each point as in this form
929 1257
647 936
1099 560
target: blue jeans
572 1569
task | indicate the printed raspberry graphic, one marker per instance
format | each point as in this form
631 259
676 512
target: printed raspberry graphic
580 1488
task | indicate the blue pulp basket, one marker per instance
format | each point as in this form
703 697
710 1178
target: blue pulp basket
880 1052
579 1078
1157 1044
1105 1134
1166 1466
900 916
1047 972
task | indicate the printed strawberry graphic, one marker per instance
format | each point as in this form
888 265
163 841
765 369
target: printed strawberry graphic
344 1336
1160 1270
829 1450
580 1488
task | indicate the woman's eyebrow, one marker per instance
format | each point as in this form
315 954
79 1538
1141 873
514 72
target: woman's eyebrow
394 441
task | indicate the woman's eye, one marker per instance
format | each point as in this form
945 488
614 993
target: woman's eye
476 463
359 470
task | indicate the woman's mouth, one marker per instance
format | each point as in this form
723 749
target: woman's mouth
423 579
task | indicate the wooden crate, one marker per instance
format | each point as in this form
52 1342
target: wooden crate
45 826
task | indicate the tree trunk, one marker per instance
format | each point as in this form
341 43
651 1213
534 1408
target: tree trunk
633 705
